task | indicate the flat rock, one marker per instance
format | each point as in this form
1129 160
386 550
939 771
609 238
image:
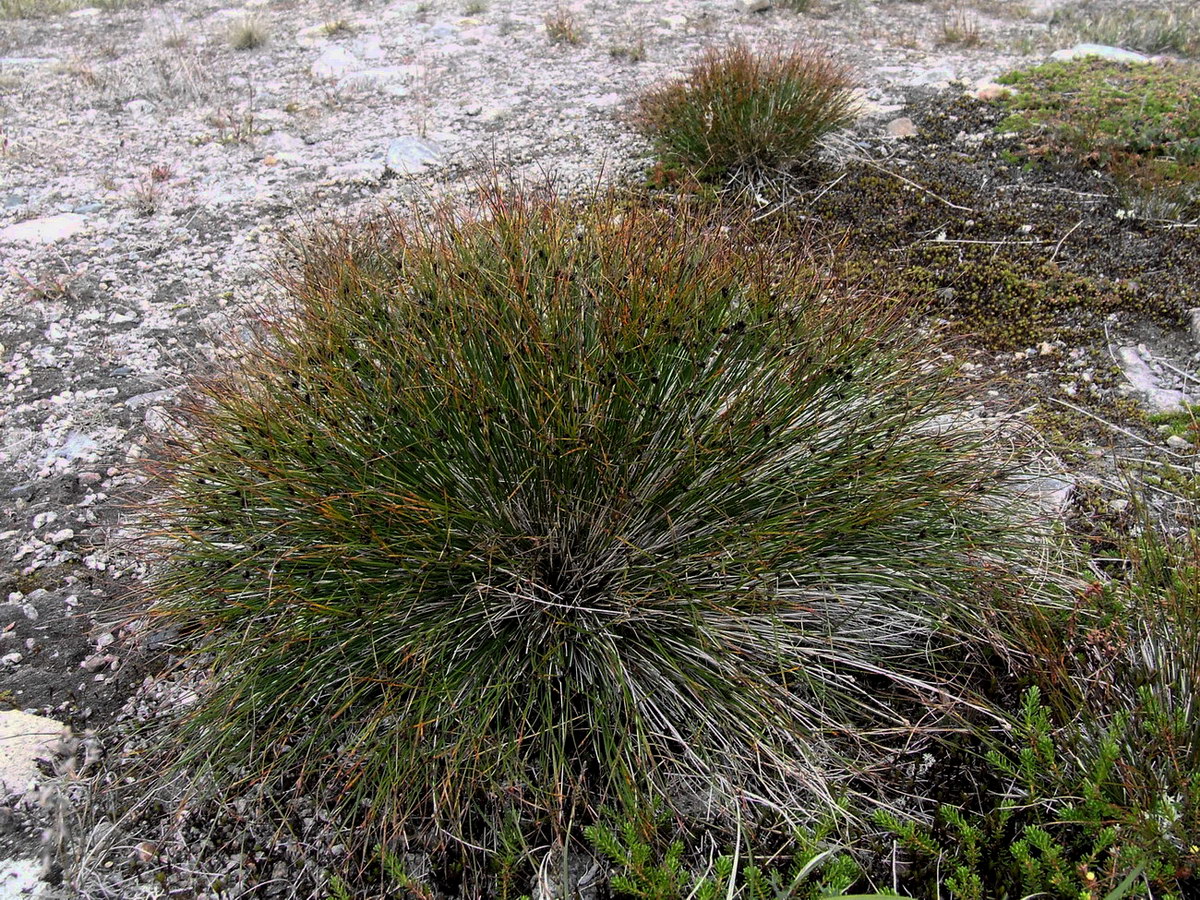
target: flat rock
46 230
1141 382
20 879
902 127
334 62
1051 493
412 155
1103 51
1194 324
23 738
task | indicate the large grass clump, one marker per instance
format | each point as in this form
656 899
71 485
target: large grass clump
555 508
744 113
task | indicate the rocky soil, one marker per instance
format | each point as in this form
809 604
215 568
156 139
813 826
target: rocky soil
148 170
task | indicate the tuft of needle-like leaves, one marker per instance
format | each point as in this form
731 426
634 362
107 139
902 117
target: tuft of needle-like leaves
741 113
559 506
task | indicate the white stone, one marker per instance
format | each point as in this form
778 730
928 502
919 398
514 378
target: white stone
1194 324
412 155
1141 381
46 230
753 6
1103 51
313 36
1049 492
334 62
20 879
901 128
23 738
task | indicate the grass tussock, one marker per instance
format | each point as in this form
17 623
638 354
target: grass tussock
563 28
248 33
741 112
510 518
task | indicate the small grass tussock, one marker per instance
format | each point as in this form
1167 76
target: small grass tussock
634 51
740 112
248 33
563 28
511 517
960 28
1141 123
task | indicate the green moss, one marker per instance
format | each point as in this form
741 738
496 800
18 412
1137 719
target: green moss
1140 123
1184 424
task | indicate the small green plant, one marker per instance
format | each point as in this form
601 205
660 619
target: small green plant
563 28
960 28
1141 123
475 8
1105 803
633 52
741 112
650 863
558 507
248 33
337 27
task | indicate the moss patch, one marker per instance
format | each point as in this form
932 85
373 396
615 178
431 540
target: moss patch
1139 122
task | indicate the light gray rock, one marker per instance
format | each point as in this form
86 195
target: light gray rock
754 6
20 879
75 446
901 128
1103 51
1051 493
1194 324
45 230
334 62
1142 382
24 738
412 155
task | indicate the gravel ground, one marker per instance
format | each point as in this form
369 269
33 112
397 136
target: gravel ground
148 169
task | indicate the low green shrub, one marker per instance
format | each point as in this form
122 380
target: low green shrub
1096 790
504 518
742 113
649 863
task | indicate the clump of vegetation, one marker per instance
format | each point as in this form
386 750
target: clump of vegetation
563 28
513 517
1170 27
337 28
633 52
650 862
1096 791
960 28
248 33
1140 123
33 9
746 113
